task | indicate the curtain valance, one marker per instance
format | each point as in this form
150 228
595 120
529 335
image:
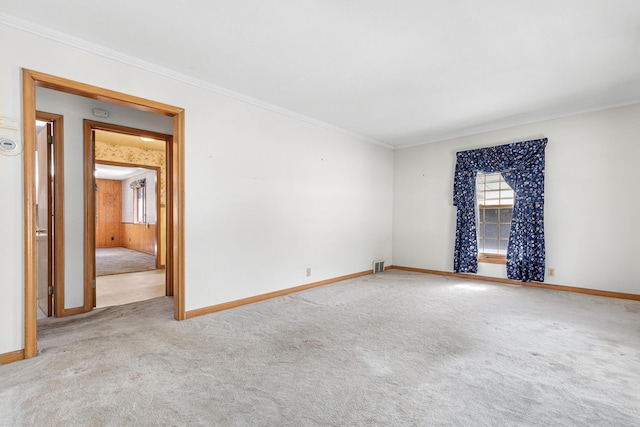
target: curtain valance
138 183
522 166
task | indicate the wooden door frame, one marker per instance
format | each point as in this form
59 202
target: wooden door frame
90 161
58 207
175 192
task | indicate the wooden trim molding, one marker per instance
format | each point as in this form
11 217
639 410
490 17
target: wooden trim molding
94 92
175 152
89 218
250 300
492 260
74 310
28 154
175 222
11 357
596 292
90 161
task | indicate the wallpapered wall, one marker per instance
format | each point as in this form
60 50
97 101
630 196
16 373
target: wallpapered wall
140 156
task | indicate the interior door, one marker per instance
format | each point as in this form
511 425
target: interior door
44 253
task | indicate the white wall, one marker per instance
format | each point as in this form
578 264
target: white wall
592 199
75 109
266 197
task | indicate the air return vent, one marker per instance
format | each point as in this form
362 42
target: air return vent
378 266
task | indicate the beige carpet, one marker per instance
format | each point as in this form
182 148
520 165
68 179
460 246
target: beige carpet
395 349
122 260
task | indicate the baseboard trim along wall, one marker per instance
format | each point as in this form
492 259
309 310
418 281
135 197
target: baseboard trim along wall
14 356
250 300
596 292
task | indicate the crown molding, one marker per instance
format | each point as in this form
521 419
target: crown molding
78 43
520 120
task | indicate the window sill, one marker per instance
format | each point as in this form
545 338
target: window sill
493 260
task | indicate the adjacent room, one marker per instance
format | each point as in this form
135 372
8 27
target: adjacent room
320 213
130 218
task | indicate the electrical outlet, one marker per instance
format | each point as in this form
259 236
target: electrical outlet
551 272
308 271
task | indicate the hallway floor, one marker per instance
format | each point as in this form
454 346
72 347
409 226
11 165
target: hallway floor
121 289
118 289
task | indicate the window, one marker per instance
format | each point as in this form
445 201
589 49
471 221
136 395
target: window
139 201
524 163
139 213
495 207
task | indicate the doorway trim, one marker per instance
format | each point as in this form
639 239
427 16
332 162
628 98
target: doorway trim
90 230
175 192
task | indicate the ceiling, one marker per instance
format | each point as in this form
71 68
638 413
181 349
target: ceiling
116 138
399 73
119 173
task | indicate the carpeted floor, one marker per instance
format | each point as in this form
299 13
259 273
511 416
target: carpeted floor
394 349
122 260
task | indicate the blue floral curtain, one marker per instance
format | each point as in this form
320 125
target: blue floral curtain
522 166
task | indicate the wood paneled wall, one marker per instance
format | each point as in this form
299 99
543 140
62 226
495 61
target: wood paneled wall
111 231
162 244
108 213
139 237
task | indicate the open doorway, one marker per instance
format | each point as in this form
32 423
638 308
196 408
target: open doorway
85 299
130 212
127 166
129 253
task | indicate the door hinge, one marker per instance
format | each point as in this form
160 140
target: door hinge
93 283
50 139
51 290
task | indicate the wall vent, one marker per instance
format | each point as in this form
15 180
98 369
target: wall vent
378 266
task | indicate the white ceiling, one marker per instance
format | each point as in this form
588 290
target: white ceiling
119 173
116 138
400 72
